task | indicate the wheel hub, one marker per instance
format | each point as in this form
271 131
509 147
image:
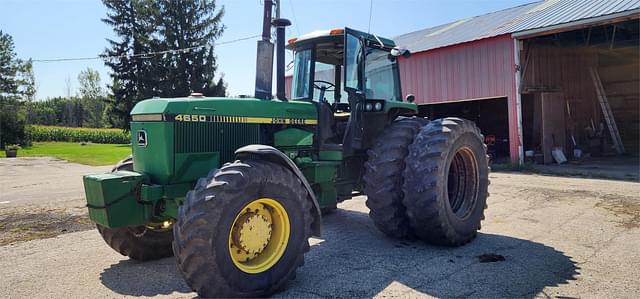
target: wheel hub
254 233
259 235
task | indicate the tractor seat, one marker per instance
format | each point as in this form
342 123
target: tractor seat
341 115
326 122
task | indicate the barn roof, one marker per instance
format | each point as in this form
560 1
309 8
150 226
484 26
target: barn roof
532 16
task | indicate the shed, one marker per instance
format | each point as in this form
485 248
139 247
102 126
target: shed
535 77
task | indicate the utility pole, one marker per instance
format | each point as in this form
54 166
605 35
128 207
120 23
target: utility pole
266 20
264 57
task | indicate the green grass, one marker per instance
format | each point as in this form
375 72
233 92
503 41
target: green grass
89 154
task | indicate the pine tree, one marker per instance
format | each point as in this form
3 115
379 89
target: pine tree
188 24
17 86
146 26
132 77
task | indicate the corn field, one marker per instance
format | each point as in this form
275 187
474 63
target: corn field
54 133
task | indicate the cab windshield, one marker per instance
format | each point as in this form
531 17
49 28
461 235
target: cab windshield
318 67
380 75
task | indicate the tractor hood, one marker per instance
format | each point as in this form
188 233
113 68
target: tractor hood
253 110
179 140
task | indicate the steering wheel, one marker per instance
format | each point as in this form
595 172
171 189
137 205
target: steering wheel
326 88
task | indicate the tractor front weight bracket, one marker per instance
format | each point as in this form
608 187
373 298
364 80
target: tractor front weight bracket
124 198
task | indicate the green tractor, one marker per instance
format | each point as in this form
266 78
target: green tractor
235 187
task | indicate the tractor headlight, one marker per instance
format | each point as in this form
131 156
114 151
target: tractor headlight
147 117
378 106
368 106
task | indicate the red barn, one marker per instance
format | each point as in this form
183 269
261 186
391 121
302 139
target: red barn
530 76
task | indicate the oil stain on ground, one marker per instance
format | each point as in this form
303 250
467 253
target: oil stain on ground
490 258
625 208
18 226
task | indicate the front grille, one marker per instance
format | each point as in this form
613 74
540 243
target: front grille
225 138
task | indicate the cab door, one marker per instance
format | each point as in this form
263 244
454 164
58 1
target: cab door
353 63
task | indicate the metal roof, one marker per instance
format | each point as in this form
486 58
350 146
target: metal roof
521 18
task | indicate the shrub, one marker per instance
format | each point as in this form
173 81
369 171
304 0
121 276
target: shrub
53 133
12 147
12 123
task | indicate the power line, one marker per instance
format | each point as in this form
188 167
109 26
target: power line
238 40
293 14
370 13
148 54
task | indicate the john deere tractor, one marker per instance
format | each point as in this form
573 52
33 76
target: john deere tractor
235 187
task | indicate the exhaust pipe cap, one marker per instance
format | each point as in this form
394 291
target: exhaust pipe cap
281 22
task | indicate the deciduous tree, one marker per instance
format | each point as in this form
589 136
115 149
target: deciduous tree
92 96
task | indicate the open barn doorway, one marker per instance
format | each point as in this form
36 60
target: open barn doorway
580 94
491 116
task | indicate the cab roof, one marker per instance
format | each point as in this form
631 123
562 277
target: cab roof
337 33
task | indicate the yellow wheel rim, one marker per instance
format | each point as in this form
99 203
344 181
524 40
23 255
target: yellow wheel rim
259 235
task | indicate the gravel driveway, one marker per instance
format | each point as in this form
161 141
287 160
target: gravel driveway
543 236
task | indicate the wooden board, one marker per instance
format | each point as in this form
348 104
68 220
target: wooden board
553 124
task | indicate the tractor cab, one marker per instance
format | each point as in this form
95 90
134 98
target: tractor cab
353 79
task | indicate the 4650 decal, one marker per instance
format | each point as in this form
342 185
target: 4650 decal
244 119
192 117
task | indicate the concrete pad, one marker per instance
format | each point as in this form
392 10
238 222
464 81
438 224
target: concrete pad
42 180
560 237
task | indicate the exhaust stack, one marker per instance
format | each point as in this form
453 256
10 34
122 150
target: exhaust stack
280 25
264 57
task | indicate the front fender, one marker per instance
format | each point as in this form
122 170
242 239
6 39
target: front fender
271 154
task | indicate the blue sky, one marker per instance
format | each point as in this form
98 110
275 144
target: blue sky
44 29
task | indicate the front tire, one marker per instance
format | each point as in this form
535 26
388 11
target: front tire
446 181
142 243
243 230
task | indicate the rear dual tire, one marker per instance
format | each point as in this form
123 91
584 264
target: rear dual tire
383 178
446 182
428 181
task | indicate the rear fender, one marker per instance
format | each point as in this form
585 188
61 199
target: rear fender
271 154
